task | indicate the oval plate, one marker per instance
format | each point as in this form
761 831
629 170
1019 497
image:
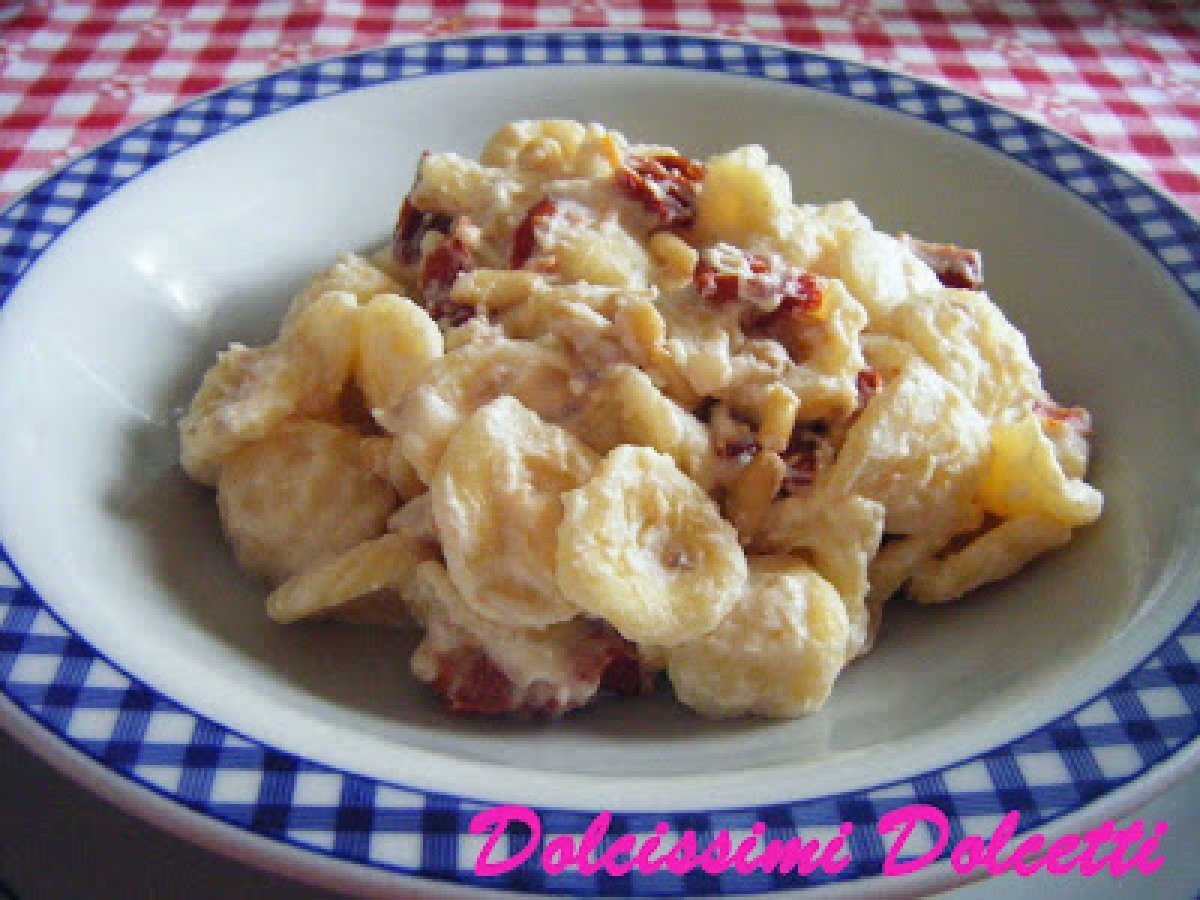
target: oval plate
125 656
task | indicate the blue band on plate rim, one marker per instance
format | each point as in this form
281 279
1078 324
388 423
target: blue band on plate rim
72 690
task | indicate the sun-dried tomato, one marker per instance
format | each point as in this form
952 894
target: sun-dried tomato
802 465
607 657
411 227
470 682
801 295
439 269
665 185
955 267
449 314
797 321
444 263
868 382
742 449
775 291
721 287
524 241
808 451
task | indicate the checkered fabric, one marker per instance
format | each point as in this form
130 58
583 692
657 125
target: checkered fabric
1134 725
1124 77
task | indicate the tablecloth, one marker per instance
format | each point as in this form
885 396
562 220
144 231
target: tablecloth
1122 76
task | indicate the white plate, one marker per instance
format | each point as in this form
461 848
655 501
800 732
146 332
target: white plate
133 652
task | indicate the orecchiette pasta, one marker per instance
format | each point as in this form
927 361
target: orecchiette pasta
776 653
997 553
839 534
602 412
1024 477
743 198
497 508
350 274
300 495
918 447
398 341
643 546
364 585
967 340
251 392
454 385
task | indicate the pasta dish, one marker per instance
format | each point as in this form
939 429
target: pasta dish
603 413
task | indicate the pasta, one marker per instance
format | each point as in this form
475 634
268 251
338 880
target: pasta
601 414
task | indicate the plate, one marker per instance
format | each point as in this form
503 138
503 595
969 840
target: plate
136 657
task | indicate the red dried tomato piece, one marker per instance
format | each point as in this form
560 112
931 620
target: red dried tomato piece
802 466
869 383
444 263
411 228
470 682
446 312
721 286
955 267
524 240
725 275
665 185
717 288
439 269
800 295
742 449
612 662
808 450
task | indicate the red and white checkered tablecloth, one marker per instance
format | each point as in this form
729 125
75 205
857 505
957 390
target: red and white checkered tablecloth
1123 75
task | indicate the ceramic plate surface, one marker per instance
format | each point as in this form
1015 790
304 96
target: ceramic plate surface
134 654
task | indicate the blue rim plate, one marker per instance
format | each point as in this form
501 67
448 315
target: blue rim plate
1145 722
